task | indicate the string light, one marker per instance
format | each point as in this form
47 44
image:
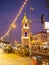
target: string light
24 3
20 11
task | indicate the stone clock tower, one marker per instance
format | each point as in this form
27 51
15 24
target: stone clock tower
25 31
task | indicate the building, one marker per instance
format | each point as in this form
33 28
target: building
25 31
40 38
27 39
18 44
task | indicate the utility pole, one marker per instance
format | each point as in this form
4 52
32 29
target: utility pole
30 30
30 27
11 36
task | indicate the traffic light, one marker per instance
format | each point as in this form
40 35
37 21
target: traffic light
42 18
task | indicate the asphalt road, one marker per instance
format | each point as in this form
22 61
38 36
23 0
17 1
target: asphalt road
12 59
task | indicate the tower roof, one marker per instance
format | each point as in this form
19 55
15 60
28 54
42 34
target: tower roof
25 19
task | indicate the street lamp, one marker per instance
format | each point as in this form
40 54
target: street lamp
12 27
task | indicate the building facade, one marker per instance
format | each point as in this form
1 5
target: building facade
40 38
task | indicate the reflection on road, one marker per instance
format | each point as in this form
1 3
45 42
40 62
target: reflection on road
13 59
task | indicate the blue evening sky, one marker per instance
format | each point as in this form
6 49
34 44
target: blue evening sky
9 10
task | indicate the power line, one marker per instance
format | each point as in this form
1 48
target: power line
19 13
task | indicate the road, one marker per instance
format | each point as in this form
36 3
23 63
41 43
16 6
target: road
12 59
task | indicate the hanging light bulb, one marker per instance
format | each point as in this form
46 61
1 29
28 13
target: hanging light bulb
20 11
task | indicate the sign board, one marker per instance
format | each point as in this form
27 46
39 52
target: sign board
47 31
46 25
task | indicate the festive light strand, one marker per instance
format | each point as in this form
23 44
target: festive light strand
20 11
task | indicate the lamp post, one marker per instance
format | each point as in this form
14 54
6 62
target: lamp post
12 27
31 9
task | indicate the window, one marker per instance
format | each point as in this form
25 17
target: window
25 34
25 25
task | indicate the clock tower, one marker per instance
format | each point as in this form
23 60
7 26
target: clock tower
25 31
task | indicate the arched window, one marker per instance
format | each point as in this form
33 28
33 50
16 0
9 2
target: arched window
25 34
25 25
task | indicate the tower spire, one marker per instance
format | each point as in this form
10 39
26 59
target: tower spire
25 18
24 14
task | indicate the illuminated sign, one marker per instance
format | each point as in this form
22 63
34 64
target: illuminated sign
47 31
46 25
